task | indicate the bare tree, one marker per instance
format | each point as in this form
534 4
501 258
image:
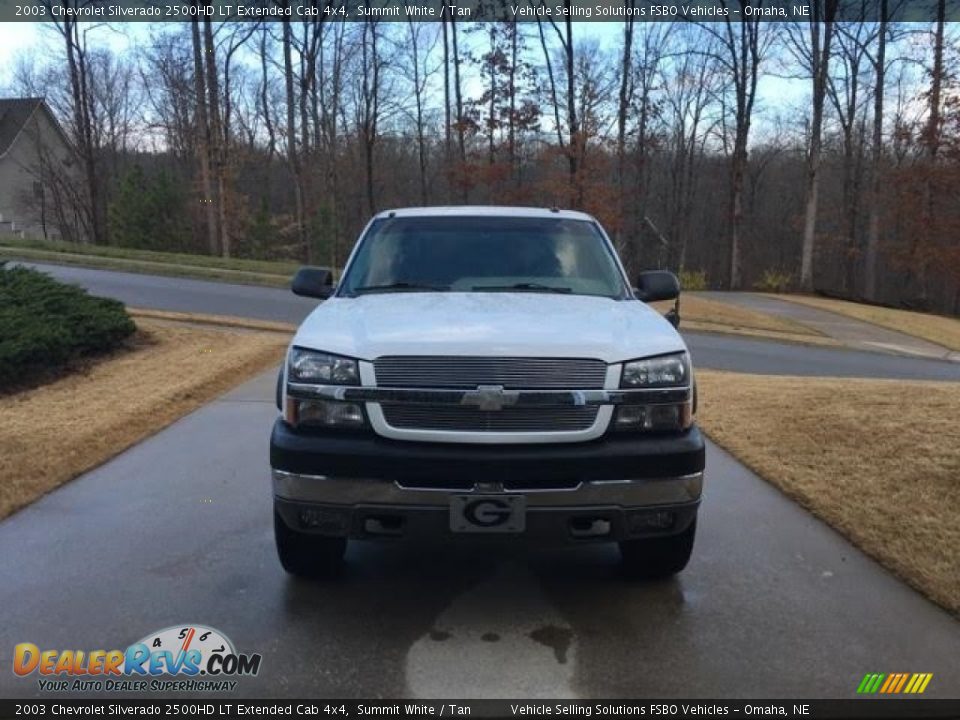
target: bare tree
369 104
577 140
205 141
82 110
850 100
458 99
876 198
625 98
742 45
421 42
293 154
813 52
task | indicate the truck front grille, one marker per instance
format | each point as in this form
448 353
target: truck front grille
469 372
509 419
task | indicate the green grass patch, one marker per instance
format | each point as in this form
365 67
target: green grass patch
45 325
263 267
202 267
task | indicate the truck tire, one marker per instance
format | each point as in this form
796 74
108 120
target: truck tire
650 558
305 555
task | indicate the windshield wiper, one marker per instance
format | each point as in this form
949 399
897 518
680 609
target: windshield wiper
526 287
399 287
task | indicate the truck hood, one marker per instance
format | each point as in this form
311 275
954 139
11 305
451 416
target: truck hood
488 324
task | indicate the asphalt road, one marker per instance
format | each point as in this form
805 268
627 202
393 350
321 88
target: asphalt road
721 352
177 530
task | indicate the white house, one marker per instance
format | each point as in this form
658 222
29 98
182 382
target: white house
37 164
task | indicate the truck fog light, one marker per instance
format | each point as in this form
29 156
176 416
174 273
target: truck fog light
676 416
630 416
663 417
645 521
324 413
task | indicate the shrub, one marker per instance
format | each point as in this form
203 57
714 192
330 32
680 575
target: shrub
774 281
693 279
45 324
149 213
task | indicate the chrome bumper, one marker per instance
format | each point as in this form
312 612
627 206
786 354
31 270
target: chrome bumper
625 493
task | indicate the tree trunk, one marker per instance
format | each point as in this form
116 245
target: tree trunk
418 98
293 156
204 141
512 120
623 108
924 239
461 142
80 96
217 149
553 85
447 137
736 209
577 142
820 60
876 199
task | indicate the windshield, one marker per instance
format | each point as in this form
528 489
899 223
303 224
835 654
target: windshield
484 254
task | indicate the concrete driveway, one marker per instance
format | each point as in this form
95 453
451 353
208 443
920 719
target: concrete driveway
178 530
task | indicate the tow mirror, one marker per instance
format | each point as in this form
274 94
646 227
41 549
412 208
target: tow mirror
315 282
657 285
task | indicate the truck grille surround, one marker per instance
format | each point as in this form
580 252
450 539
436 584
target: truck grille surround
468 373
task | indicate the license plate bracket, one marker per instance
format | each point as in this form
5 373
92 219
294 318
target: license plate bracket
488 513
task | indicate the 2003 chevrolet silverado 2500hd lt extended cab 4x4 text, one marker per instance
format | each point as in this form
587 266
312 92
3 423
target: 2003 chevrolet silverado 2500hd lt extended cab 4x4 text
486 370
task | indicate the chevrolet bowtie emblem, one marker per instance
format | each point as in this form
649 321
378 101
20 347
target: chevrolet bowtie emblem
490 397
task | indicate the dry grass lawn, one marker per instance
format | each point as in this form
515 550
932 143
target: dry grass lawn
937 329
229 321
707 315
52 433
879 460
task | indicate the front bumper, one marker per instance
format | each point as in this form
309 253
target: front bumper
365 486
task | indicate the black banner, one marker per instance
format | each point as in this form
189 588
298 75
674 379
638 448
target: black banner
464 10
683 709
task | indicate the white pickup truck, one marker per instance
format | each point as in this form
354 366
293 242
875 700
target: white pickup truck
486 370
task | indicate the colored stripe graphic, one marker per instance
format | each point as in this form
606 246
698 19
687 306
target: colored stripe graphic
894 683
870 683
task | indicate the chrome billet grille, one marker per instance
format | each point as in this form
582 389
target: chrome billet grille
509 419
469 372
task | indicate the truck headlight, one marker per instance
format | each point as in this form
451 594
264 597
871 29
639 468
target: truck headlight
665 371
310 366
656 372
320 368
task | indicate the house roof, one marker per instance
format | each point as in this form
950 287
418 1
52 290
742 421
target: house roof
14 114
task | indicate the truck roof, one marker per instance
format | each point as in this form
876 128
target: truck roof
484 211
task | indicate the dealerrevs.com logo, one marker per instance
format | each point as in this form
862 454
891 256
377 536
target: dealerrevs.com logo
200 657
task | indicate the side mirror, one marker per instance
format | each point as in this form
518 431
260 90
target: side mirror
315 282
657 285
